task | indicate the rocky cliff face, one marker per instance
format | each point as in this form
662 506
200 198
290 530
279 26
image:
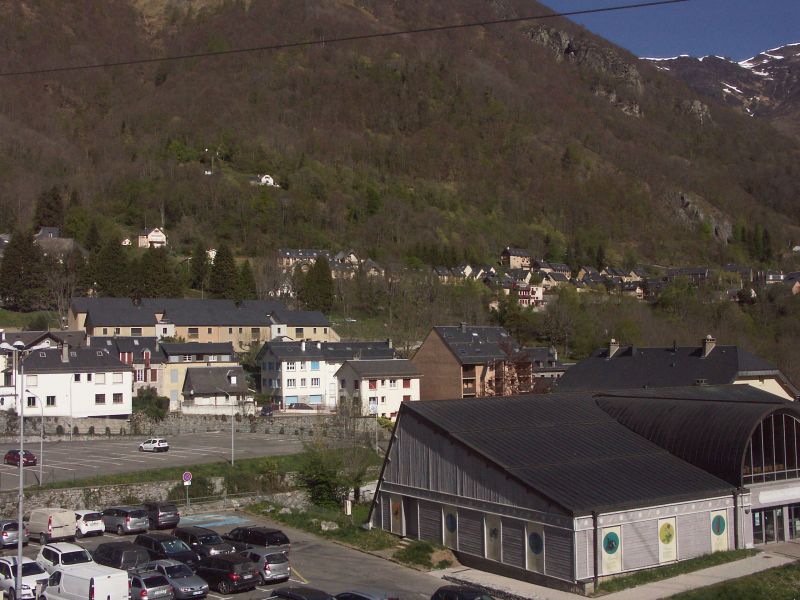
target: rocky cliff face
766 86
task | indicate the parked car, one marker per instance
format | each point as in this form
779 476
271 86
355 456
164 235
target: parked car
205 542
364 594
125 519
459 592
86 581
12 458
150 585
121 555
267 410
302 593
9 533
300 406
185 583
228 573
154 445
62 555
88 522
162 545
162 515
32 574
272 566
243 538
51 524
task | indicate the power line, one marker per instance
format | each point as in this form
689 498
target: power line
349 38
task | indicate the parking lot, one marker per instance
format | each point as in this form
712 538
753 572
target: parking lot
70 461
315 563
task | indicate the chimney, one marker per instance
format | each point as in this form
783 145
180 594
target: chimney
613 347
88 341
64 353
303 346
463 328
319 345
389 342
708 345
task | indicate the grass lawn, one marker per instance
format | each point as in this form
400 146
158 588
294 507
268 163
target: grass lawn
774 584
688 566
20 320
350 531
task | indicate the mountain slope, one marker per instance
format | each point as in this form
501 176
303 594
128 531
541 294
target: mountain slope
428 148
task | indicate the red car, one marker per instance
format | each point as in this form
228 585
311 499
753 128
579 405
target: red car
12 458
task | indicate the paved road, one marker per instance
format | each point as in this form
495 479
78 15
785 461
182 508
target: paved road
65 461
315 562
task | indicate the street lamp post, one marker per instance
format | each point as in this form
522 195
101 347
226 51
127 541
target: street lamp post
41 430
233 418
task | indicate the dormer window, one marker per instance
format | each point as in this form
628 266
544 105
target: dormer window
232 379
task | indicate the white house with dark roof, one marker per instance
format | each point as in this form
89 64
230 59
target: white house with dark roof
153 237
177 358
216 391
142 354
305 372
73 382
378 387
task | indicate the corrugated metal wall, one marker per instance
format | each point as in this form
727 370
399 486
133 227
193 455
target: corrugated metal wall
470 532
558 554
584 554
639 545
694 535
386 512
430 521
513 542
412 518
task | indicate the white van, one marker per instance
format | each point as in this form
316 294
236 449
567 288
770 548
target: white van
83 582
51 524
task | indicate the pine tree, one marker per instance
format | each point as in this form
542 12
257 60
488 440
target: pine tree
156 275
600 258
22 274
317 291
92 241
49 210
111 271
247 282
223 280
199 266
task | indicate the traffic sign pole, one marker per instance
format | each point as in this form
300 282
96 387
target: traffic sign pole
187 481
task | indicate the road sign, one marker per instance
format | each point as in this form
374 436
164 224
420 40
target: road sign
187 478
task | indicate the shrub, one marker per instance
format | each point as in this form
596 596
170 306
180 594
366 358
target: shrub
75 430
60 430
148 402
91 430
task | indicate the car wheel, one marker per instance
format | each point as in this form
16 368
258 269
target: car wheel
12 595
42 538
120 530
261 580
141 449
78 533
223 587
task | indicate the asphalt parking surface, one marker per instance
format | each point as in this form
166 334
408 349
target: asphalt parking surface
316 562
65 461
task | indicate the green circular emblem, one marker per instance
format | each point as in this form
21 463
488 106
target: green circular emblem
611 543
718 525
666 533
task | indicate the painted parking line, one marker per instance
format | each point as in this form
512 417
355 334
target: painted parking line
213 595
297 573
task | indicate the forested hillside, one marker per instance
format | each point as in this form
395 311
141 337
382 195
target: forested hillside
423 149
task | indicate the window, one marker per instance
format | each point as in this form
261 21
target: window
290 383
324 330
31 401
88 377
240 330
315 330
393 383
383 399
406 398
315 365
355 384
291 366
153 374
255 333
116 378
32 380
303 382
105 330
163 331
344 383
194 333
173 376
298 332
117 398
139 375
209 331
99 398
212 358
406 383
269 382
230 330
116 331
101 378
77 377
315 382
373 384
187 358
51 401
136 332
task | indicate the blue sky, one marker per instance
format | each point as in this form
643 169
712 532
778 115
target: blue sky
737 29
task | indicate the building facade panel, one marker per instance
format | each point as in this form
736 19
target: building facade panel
558 553
430 521
640 545
470 532
513 532
698 540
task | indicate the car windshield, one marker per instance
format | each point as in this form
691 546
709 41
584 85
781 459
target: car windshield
31 568
11 527
173 546
152 581
278 538
92 517
75 557
138 514
178 571
278 558
210 539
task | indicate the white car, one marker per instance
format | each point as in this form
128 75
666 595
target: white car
88 522
32 574
62 555
154 445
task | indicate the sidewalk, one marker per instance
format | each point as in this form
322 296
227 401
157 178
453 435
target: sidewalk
512 589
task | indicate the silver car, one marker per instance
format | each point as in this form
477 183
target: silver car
8 533
183 581
272 566
151 585
125 519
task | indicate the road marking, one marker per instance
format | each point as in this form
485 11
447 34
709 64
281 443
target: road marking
296 572
213 595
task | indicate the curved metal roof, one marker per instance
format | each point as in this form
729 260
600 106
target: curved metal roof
708 427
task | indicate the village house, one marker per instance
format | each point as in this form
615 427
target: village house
177 358
378 387
216 391
695 275
152 238
515 258
289 257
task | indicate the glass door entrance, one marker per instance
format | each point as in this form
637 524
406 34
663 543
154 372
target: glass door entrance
768 525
